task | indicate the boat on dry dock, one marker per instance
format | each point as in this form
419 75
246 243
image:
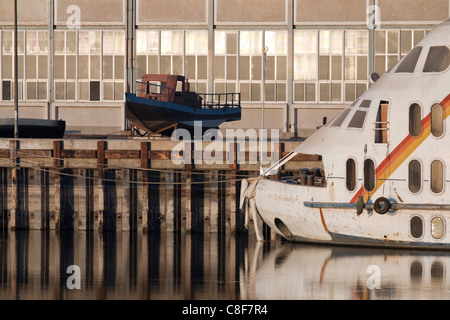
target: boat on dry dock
165 102
385 174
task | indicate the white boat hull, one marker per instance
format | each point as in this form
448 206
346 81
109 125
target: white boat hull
287 209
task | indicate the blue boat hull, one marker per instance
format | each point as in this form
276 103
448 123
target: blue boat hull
155 115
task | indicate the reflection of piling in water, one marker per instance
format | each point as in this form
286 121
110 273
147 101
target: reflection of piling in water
122 185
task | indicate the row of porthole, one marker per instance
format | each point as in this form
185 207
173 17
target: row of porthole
414 176
437 227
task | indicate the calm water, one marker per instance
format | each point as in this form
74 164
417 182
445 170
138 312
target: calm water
33 265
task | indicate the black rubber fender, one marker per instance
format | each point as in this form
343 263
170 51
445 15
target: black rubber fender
382 205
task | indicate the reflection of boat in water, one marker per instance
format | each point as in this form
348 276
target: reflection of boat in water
33 128
303 271
164 102
384 177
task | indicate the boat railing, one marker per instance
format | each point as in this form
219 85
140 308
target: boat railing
154 91
221 100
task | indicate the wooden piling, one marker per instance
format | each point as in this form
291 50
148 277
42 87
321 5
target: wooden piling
101 165
145 147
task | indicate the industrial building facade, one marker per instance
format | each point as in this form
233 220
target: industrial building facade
77 58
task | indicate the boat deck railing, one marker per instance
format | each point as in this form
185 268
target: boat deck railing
221 100
159 92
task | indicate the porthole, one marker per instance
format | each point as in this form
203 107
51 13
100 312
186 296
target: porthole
369 175
351 174
437 228
414 176
415 120
437 120
416 227
437 176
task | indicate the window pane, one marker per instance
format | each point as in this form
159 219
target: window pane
119 91
437 176
94 91
84 90
270 91
393 46
42 67
220 42
119 42
141 42
59 41
70 93
281 68
202 66
335 92
31 91
325 92
84 42
7 42
410 61
369 175
95 67
42 90
324 68
219 68
358 119
231 42
71 67
31 67
437 120
414 120
119 67
414 176
153 64
71 42
310 92
94 42
231 67
299 92
6 90
438 59
31 42
351 175
83 67
340 118
270 68
7 67
281 92
107 67
59 67
256 92
190 67
108 42
362 68
108 91
42 42
256 68
60 91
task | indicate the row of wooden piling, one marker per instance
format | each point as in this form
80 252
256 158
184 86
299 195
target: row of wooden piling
43 188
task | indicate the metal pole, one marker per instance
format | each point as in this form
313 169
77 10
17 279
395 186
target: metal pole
261 133
16 75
